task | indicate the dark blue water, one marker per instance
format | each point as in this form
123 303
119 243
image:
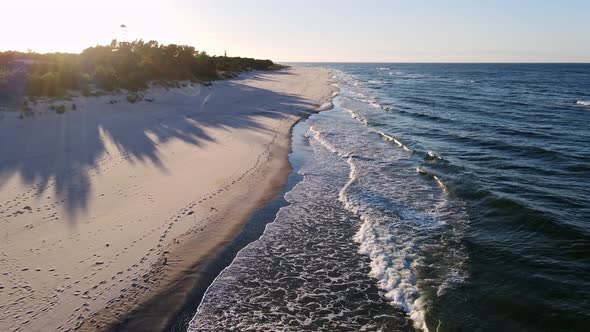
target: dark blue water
441 197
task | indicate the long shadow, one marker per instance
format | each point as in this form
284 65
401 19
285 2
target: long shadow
160 313
55 154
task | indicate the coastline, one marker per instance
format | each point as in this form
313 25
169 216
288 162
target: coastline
151 298
193 265
173 306
197 279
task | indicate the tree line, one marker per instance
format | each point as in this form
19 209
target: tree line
127 65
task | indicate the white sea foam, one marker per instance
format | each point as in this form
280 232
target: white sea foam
440 183
394 273
356 116
430 155
391 265
326 106
375 104
394 140
394 243
318 137
352 176
364 121
583 102
370 101
405 75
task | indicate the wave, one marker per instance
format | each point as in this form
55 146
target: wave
436 178
356 116
316 134
375 104
385 136
394 253
395 227
406 75
432 156
394 275
395 140
583 102
370 101
578 167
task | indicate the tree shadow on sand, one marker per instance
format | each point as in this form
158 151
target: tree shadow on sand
54 155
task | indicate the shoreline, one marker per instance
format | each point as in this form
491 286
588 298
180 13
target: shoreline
174 306
227 144
191 277
256 225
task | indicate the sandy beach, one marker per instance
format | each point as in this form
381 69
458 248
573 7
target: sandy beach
114 204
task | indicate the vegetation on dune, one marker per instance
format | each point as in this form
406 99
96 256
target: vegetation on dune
4 75
122 65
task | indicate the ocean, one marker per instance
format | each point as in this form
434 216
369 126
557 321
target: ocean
432 197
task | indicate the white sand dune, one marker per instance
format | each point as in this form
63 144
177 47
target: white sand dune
94 200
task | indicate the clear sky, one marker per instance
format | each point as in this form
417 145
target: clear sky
306 30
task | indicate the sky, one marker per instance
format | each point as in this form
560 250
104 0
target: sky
314 31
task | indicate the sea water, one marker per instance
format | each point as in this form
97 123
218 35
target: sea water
434 197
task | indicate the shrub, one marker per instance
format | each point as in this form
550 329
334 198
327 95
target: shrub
47 84
106 77
133 98
130 65
5 75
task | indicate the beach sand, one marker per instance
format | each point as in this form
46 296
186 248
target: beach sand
111 209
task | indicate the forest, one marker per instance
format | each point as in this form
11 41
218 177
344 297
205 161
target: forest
119 65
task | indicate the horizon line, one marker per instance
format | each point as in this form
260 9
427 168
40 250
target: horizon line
442 62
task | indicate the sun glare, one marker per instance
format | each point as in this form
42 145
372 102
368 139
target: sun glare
71 26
